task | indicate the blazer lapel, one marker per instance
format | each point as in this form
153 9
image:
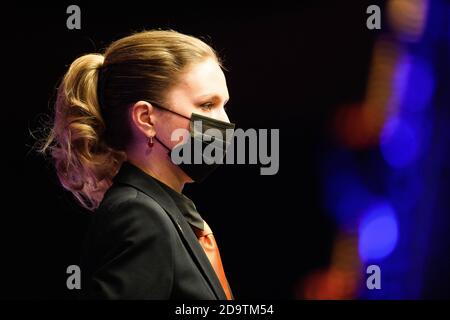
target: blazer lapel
135 177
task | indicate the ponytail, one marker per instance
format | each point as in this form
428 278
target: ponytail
84 163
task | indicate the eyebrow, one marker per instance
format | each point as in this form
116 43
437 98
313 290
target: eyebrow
212 96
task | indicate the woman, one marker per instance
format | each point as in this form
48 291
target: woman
112 145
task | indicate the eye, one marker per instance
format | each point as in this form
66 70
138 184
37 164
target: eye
207 106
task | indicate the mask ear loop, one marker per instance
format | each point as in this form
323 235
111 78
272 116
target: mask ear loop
166 109
156 138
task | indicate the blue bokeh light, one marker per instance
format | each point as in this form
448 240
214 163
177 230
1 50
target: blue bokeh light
405 188
378 232
399 143
419 86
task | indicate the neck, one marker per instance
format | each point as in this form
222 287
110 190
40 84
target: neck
156 163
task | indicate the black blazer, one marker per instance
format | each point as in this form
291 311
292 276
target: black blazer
140 246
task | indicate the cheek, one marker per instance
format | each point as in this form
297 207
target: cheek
182 127
174 130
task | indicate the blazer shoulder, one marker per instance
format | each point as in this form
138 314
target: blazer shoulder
125 206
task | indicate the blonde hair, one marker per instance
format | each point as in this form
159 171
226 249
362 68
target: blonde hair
90 129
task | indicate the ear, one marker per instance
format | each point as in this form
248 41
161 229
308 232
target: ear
142 118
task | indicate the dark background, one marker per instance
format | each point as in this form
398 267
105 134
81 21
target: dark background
288 68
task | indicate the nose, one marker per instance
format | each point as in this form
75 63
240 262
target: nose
221 114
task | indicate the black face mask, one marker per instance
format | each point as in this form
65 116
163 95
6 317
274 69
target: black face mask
206 148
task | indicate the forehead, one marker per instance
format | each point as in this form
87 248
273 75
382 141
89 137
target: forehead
202 79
